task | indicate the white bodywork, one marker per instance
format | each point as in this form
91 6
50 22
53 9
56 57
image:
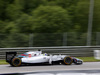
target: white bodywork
38 57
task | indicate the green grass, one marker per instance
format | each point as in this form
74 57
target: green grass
88 59
85 59
3 62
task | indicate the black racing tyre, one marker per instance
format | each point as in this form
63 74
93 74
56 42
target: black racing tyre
68 60
16 62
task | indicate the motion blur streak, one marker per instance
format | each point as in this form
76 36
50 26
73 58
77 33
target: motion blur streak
65 74
41 74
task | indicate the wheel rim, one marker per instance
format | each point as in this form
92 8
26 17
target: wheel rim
16 62
68 60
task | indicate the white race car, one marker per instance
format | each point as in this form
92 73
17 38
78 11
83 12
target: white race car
33 57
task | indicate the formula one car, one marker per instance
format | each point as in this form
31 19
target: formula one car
33 57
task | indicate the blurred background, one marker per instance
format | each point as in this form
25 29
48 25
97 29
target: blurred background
48 39
67 27
50 23
33 23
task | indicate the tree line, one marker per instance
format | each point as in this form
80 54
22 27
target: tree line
46 16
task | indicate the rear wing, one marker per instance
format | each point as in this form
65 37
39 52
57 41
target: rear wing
10 56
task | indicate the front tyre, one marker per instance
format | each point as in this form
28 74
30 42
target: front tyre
16 62
68 60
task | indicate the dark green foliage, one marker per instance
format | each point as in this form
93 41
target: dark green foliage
51 19
25 24
51 39
50 16
81 14
14 40
46 16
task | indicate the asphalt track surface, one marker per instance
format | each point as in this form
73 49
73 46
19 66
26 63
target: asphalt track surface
87 68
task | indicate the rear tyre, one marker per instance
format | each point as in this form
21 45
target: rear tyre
16 62
68 60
